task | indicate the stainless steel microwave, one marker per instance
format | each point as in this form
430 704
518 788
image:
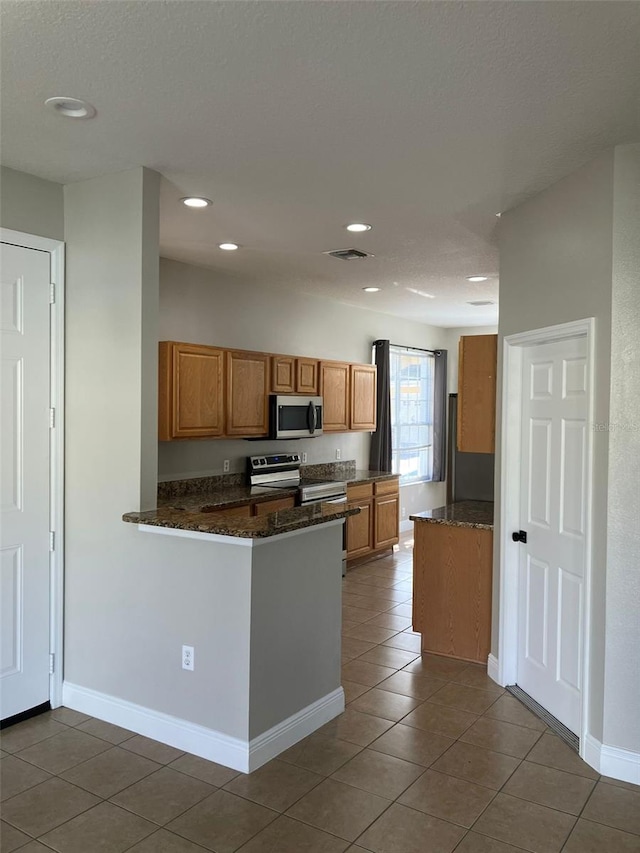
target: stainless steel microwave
294 417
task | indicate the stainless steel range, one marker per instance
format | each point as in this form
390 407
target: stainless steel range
269 473
282 471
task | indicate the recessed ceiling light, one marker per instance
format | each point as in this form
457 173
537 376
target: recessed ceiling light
71 107
358 226
477 277
421 293
228 247
371 289
196 201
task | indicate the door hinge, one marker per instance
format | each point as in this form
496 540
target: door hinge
52 540
52 663
52 418
52 293
519 536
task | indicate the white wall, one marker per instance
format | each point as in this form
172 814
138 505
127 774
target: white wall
198 306
622 661
31 204
555 266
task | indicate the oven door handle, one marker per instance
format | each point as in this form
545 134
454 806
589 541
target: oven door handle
312 417
341 500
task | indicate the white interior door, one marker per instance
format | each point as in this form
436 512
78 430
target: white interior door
24 455
553 504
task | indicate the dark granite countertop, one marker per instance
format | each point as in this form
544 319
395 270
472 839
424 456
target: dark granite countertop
478 514
256 527
193 504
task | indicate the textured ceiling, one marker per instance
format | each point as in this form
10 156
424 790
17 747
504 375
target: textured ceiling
422 118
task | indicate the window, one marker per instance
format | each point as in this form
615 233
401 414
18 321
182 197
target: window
412 404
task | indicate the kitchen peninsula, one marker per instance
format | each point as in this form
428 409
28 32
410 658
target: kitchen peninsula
267 669
452 574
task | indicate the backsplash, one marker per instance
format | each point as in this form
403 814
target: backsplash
346 469
193 485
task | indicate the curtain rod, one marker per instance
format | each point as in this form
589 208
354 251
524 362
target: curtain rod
417 349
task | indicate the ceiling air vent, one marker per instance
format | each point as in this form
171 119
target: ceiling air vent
348 254
480 303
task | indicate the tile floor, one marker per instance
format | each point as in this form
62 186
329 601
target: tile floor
429 757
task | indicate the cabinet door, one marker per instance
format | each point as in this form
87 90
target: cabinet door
307 376
265 507
247 393
363 396
282 374
360 529
477 366
387 521
243 511
334 387
191 401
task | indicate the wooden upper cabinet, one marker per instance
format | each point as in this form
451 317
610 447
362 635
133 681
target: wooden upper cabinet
247 393
307 376
291 375
334 388
191 399
363 396
283 374
477 367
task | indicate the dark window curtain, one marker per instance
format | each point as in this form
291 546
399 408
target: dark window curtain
380 452
440 415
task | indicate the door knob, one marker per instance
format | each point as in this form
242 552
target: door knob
519 536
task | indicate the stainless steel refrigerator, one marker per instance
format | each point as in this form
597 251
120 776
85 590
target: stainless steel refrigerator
469 475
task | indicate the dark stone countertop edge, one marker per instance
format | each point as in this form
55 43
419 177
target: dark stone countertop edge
256 527
472 514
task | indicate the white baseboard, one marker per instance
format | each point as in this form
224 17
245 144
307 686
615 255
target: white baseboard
493 669
239 754
274 741
612 761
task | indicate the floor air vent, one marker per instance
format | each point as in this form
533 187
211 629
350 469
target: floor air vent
555 725
348 254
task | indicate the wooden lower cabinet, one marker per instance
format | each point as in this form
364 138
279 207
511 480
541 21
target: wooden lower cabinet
265 507
360 528
387 521
377 525
452 579
244 511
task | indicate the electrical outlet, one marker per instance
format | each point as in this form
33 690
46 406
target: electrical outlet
404 512
338 453
304 458
188 658
225 466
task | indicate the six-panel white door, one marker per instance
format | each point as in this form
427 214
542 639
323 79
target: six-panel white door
24 449
553 514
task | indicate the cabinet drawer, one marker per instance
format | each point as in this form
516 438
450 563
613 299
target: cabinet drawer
243 511
360 491
387 487
265 507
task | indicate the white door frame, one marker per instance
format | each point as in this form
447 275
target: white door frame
512 392
56 448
